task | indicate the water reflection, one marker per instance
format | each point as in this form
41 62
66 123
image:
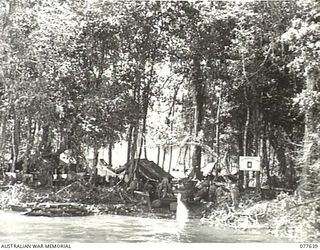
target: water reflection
106 229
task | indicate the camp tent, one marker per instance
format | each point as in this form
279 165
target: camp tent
146 169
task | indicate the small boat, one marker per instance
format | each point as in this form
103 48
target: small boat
4 188
58 210
25 207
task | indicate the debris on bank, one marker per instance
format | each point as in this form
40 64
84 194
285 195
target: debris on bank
77 199
285 216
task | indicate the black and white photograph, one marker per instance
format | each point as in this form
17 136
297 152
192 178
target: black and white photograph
159 122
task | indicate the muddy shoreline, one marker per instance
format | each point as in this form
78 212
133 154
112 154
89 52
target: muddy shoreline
278 216
92 201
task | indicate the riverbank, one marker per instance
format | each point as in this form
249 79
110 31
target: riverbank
284 216
96 200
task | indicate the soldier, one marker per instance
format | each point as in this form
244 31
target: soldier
235 194
213 193
148 190
164 188
203 189
133 185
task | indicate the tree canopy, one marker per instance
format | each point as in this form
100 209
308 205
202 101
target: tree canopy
228 78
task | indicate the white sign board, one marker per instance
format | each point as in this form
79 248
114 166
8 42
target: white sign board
250 163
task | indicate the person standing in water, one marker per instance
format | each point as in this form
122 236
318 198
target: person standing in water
182 213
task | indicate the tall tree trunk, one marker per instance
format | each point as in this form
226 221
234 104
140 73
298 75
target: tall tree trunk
170 158
45 140
281 156
218 130
265 156
279 149
240 148
158 155
245 145
30 138
199 95
145 147
190 158
146 101
145 107
15 140
143 132
136 125
129 142
184 159
291 176
311 138
93 176
3 135
95 157
134 162
110 154
163 157
171 130
257 141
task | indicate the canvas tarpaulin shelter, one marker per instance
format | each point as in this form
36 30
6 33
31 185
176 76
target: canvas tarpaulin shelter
147 169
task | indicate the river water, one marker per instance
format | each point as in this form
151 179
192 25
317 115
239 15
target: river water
16 228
